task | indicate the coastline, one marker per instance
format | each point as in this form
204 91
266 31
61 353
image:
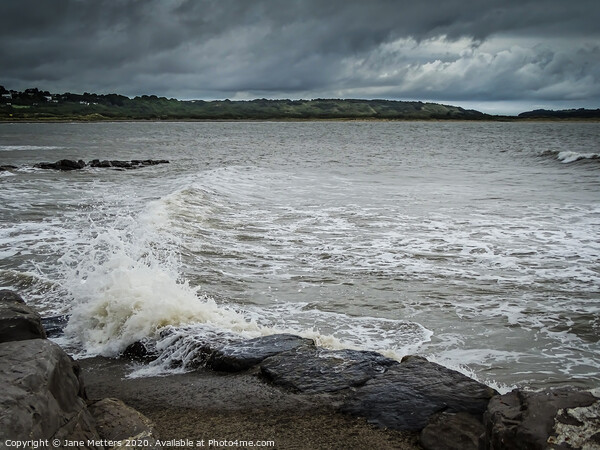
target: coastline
502 119
278 391
209 405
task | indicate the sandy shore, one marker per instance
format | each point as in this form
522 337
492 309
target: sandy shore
207 405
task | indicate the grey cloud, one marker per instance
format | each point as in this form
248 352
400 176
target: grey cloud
218 48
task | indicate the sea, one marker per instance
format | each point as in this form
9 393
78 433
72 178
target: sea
473 244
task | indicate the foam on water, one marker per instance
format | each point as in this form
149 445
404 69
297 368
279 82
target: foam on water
126 288
569 156
12 148
394 338
460 242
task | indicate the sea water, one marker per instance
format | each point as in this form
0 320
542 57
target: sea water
476 245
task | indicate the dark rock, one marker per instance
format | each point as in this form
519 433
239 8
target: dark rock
98 163
17 320
55 325
41 394
7 167
243 355
452 431
119 164
311 369
63 164
149 162
407 395
532 420
115 421
144 351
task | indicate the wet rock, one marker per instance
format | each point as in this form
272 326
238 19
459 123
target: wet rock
115 421
149 162
243 355
97 163
120 164
55 325
533 420
17 320
578 427
452 431
7 167
144 351
63 164
311 369
409 394
41 396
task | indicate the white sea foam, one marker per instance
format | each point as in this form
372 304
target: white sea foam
11 148
492 249
570 156
127 288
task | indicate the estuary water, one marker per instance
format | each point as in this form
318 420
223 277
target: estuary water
476 245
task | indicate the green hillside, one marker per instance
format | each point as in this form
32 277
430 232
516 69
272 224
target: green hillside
33 104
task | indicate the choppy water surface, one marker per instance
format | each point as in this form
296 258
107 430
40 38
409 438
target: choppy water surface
473 244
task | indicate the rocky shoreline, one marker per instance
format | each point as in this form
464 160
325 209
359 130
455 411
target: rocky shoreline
71 164
279 387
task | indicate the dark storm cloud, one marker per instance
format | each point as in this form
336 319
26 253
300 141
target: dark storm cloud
440 50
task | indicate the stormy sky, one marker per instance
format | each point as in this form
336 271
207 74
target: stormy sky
496 56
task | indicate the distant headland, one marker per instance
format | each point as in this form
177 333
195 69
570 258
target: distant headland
36 105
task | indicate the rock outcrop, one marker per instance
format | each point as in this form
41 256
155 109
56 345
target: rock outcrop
311 369
17 320
563 418
243 355
408 395
63 164
43 396
133 164
117 422
70 164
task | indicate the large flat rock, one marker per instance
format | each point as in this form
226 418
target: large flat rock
409 394
17 320
243 355
310 369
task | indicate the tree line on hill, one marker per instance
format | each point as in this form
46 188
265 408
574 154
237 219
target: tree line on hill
36 104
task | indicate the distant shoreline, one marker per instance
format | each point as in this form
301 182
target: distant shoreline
42 106
511 119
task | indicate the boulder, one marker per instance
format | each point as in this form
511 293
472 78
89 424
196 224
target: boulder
144 351
409 394
115 421
149 162
452 431
17 320
553 418
243 355
42 394
120 164
311 369
63 164
6 167
98 163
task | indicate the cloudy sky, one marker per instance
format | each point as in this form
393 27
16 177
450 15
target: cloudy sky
496 56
